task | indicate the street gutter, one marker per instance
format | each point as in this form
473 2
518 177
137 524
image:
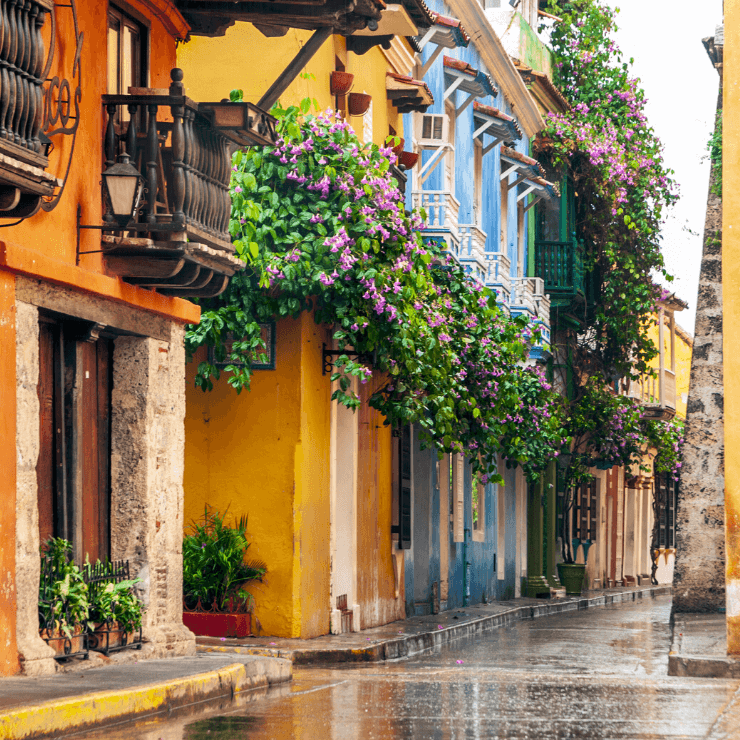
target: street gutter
324 650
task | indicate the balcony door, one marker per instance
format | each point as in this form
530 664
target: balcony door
73 469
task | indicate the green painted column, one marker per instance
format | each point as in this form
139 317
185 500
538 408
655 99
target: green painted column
536 581
551 525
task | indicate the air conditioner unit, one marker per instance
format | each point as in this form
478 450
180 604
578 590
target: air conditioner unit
434 130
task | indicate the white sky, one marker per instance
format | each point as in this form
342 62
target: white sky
664 38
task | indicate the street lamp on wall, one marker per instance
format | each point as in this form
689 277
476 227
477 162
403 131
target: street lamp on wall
123 186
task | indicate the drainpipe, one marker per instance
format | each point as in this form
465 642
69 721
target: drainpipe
466 574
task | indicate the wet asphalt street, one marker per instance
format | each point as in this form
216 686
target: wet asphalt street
598 674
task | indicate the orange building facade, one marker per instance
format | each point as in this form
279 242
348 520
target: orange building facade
92 362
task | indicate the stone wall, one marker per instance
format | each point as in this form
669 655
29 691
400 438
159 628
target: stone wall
699 573
148 447
35 656
147 456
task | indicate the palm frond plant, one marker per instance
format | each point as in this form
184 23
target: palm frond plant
215 565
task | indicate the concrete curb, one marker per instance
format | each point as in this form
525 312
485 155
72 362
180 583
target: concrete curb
73 714
409 645
697 665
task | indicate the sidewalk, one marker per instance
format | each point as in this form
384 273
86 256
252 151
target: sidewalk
415 635
78 700
699 647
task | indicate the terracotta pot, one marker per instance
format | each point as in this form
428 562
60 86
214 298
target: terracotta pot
340 82
115 637
62 644
398 149
218 625
358 103
407 160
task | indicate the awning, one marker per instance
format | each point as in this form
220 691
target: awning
548 97
490 121
214 17
461 76
524 166
541 188
408 94
446 33
394 21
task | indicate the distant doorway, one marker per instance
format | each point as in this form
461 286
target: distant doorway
344 431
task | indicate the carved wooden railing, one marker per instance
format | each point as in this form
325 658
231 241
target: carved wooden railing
561 266
184 159
657 393
22 58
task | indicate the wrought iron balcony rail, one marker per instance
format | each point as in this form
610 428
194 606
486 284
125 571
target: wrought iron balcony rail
560 264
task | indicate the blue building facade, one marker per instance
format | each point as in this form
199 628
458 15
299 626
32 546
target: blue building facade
477 183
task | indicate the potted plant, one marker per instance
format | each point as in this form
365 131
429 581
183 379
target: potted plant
603 429
215 573
64 612
117 614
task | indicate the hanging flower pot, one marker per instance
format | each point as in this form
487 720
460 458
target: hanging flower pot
358 103
340 82
407 160
399 147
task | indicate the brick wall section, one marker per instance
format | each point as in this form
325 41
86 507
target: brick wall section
699 574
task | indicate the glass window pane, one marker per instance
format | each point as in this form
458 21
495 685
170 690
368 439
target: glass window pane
113 70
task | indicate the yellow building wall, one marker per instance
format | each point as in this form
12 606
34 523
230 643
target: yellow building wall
245 59
265 453
684 347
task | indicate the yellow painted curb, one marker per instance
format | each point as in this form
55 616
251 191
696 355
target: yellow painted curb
68 714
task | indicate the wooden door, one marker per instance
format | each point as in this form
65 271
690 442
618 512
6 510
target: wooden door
73 469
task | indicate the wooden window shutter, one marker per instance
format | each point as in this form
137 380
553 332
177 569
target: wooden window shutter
458 513
404 492
670 523
661 509
593 510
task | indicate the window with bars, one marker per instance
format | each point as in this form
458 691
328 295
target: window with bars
665 510
584 512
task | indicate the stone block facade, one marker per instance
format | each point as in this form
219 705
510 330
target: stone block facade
699 574
146 465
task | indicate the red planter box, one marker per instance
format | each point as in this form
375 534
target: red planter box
218 625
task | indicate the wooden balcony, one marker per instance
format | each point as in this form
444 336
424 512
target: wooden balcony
23 146
442 209
560 264
657 394
181 243
473 250
498 275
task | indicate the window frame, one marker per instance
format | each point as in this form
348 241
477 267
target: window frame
127 16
